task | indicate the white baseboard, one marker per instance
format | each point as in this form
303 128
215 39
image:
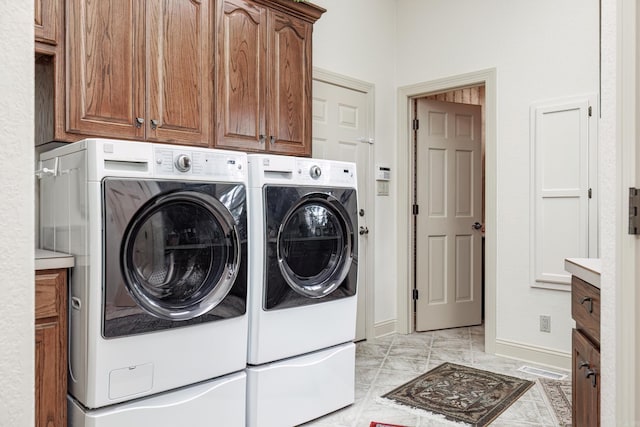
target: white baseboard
534 354
387 327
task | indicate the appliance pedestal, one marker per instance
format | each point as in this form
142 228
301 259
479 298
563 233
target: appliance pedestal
220 401
299 389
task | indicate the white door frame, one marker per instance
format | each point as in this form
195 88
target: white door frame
405 258
368 89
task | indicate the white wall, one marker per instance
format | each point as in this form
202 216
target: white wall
356 38
16 215
607 163
542 50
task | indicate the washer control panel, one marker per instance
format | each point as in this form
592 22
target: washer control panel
199 163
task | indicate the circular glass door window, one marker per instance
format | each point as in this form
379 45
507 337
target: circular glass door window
315 245
180 255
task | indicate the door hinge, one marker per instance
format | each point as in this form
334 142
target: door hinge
634 211
415 209
416 124
415 294
590 111
590 194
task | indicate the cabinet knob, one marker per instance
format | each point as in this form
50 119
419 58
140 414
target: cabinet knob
154 124
272 140
262 139
590 301
139 122
583 364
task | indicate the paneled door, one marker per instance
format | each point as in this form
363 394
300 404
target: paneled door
448 230
340 125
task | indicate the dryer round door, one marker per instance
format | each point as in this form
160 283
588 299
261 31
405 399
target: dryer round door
180 255
315 245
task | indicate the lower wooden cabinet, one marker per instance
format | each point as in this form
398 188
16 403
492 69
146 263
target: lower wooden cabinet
51 348
585 372
586 381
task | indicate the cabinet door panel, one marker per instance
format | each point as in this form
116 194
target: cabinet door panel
45 14
50 348
48 387
179 71
290 97
105 57
586 396
241 79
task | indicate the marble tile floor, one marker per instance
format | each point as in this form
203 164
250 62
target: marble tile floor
385 363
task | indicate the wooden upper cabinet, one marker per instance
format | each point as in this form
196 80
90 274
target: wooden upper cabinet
242 92
47 20
264 75
289 113
105 77
139 70
179 72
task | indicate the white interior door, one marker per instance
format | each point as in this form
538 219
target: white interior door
341 132
449 198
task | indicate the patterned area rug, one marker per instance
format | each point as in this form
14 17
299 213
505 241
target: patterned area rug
558 395
461 393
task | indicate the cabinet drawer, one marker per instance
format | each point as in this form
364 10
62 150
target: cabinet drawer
49 285
585 308
585 382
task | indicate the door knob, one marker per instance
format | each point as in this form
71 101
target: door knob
476 226
363 230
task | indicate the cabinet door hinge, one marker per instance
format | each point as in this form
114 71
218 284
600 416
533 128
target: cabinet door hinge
590 194
634 211
415 209
415 294
590 111
416 124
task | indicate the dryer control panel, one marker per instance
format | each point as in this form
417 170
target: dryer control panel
316 171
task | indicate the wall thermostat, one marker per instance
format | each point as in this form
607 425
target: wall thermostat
383 173
383 176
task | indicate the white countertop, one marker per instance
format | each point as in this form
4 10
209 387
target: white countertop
587 269
47 260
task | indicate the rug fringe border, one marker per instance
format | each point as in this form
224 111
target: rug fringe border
547 401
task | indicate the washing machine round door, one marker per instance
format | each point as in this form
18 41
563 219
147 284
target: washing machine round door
180 255
315 245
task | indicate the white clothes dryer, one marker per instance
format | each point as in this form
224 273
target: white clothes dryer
158 293
303 292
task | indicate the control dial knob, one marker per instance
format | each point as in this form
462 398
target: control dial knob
315 171
183 162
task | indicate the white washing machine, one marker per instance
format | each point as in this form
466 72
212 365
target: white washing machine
158 294
302 298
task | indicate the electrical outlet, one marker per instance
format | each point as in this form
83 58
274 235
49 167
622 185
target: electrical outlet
545 323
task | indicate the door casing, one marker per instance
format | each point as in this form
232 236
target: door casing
406 94
368 248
